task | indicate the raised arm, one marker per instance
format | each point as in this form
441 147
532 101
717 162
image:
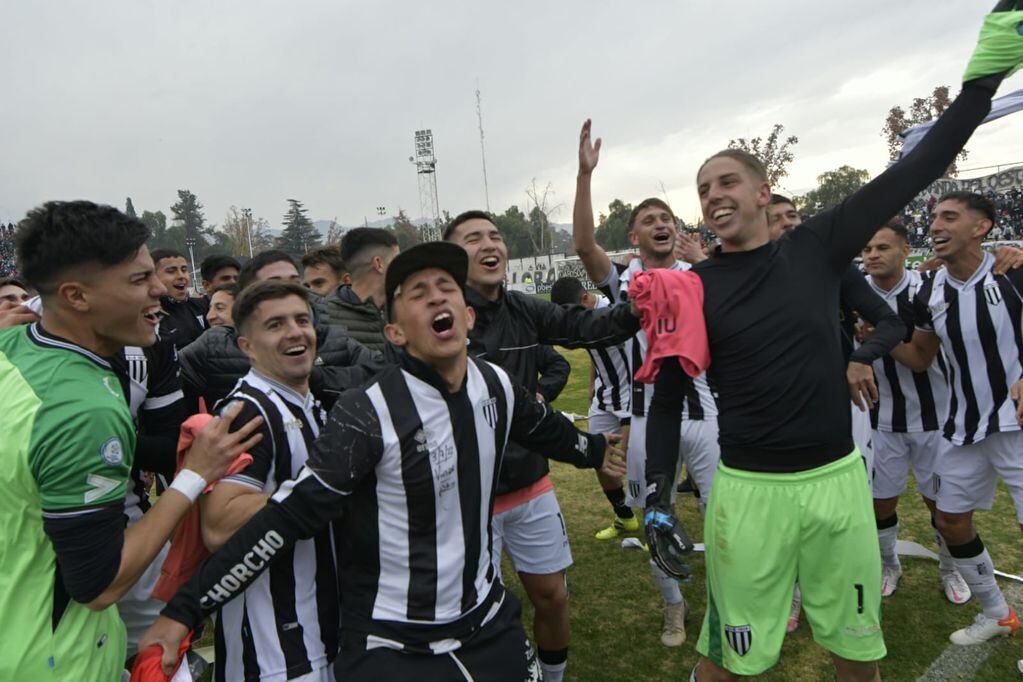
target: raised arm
584 235
849 226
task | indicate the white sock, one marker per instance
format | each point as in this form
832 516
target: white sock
887 538
666 584
946 564
553 672
979 573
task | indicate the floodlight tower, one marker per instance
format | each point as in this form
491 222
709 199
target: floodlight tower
426 169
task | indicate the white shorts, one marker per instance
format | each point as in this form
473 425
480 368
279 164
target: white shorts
863 437
137 607
698 444
602 421
965 476
893 455
534 536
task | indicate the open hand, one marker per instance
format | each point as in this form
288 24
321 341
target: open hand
589 151
216 446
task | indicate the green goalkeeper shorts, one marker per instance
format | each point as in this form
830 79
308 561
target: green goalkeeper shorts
764 532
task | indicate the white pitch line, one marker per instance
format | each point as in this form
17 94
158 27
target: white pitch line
962 662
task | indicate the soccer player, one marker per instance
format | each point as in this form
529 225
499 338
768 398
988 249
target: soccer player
790 495
212 365
69 443
974 316
216 271
653 229
322 269
527 517
184 317
284 625
408 465
610 393
359 306
907 417
221 300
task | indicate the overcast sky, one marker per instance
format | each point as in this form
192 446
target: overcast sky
250 103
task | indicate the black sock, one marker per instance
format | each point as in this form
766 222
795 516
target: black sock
887 523
553 656
617 499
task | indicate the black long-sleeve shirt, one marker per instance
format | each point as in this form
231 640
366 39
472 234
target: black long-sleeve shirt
856 297
507 332
775 342
410 470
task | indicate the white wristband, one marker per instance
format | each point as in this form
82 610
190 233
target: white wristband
189 484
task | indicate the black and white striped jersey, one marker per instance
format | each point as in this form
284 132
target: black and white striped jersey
411 469
908 401
612 383
699 401
151 381
285 624
979 324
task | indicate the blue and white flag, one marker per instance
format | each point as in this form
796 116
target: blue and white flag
1002 106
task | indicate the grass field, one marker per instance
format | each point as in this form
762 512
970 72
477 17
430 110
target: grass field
616 609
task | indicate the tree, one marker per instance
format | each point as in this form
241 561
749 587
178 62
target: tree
240 230
157 224
613 228
514 227
922 109
334 232
775 154
539 217
405 231
299 234
832 187
129 209
188 215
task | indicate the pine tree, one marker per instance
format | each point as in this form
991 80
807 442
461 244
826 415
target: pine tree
129 209
299 234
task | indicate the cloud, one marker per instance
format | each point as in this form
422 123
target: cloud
249 103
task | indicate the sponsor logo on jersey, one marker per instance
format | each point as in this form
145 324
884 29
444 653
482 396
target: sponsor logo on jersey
112 452
938 308
740 638
244 571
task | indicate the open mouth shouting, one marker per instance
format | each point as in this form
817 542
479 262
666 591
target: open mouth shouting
939 242
443 325
152 315
491 263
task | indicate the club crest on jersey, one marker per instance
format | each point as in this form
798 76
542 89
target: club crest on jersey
112 452
489 407
993 293
740 638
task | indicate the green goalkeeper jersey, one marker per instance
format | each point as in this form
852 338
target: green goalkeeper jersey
66 447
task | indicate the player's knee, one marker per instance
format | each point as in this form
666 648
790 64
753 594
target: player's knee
549 593
957 529
884 508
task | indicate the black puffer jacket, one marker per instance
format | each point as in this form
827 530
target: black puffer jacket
363 321
213 364
507 333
